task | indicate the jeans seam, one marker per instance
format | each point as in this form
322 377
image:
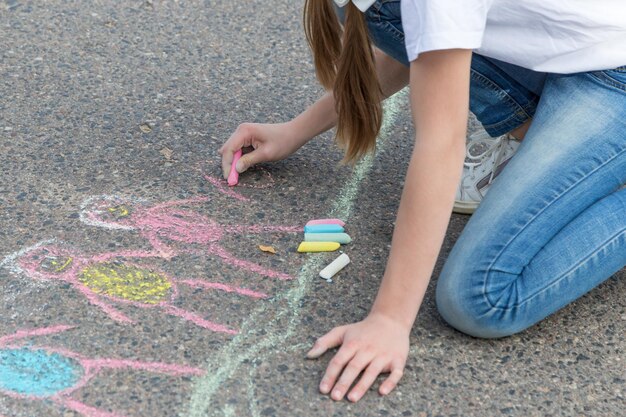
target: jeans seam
393 31
497 257
515 120
385 24
607 81
565 275
506 96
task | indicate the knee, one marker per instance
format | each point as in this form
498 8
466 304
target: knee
471 312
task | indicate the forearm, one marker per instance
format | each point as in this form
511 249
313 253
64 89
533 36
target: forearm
439 100
315 120
321 116
423 216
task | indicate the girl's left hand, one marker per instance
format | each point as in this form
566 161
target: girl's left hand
378 344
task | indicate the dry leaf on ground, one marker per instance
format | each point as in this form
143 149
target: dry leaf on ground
268 249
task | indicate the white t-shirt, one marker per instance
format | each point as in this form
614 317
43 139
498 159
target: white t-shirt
561 36
363 5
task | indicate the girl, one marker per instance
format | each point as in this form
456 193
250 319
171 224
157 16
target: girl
553 225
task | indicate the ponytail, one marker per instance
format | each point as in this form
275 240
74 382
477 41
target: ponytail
323 33
348 69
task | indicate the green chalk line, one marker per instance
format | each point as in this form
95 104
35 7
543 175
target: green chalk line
229 411
250 391
222 366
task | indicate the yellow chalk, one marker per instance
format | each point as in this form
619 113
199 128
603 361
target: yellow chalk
318 246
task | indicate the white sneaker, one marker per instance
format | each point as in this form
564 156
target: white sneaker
478 169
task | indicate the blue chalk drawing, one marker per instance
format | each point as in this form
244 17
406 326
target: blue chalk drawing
36 372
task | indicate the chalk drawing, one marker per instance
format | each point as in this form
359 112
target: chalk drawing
222 185
229 411
107 276
170 222
53 374
223 365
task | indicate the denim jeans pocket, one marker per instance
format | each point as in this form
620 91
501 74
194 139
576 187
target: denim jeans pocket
385 25
614 77
387 14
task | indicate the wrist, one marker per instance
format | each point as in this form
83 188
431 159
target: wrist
400 296
297 130
318 118
403 319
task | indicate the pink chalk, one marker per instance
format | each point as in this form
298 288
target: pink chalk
326 221
233 177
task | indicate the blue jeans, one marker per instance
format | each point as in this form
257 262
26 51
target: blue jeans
553 224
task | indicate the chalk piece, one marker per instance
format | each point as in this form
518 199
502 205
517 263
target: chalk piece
233 177
335 266
318 246
326 221
342 238
323 228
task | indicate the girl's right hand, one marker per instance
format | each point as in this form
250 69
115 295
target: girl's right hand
270 142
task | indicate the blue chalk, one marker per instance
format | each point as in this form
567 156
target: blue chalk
37 372
323 228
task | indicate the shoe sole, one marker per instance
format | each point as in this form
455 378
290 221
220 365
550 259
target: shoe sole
464 207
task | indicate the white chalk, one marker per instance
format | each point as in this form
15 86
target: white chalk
335 266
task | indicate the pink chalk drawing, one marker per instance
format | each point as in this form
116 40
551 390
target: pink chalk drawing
106 276
170 222
43 373
222 185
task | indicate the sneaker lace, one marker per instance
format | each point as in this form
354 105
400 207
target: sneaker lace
493 144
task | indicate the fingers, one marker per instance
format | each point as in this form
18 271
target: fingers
335 367
390 383
374 368
328 341
242 137
349 375
346 367
227 160
366 381
248 160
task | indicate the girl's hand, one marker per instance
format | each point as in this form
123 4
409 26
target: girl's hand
375 345
270 142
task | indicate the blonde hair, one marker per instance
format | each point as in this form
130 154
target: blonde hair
348 68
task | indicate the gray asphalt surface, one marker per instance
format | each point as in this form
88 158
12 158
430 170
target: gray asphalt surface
132 99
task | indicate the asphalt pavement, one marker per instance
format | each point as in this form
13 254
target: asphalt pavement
132 283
